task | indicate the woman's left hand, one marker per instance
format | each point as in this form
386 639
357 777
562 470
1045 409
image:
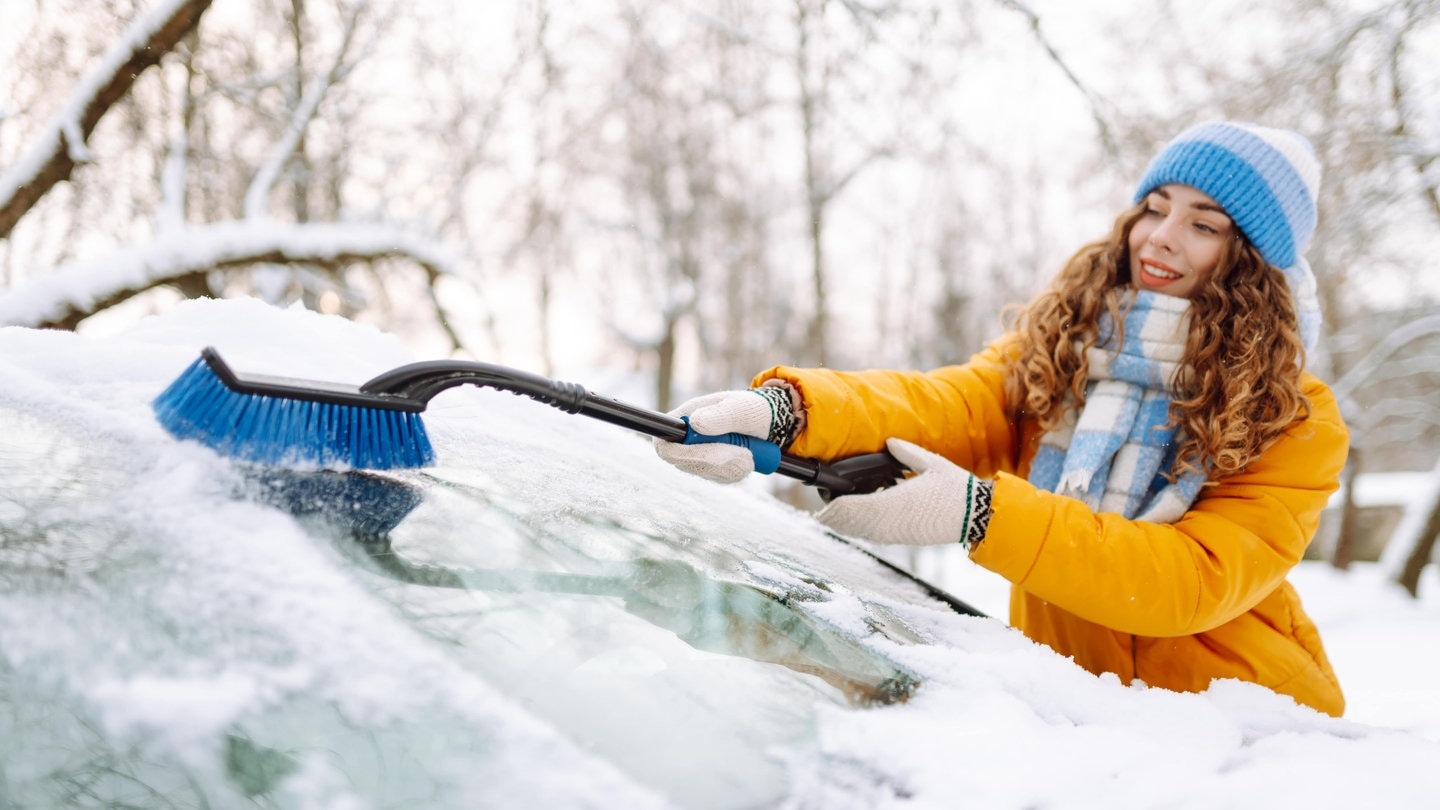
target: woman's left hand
941 503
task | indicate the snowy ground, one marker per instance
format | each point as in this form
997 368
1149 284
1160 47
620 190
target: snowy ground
1384 644
1002 723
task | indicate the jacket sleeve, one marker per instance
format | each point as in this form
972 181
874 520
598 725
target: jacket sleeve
1231 549
957 411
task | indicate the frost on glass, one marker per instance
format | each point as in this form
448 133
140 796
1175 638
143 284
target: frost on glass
177 632
163 643
661 652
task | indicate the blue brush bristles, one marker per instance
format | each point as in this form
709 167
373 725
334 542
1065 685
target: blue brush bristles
276 430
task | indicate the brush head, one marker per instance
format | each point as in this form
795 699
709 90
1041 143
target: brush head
292 423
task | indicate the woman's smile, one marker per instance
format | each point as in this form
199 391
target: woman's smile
1155 274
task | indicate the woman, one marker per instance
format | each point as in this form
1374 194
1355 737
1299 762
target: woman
1142 454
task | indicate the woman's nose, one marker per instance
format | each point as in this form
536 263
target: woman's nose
1163 235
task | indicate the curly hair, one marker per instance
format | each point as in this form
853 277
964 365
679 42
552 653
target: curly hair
1238 387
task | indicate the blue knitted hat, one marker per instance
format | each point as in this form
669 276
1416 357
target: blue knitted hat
1267 180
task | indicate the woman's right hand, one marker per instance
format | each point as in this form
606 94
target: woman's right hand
764 413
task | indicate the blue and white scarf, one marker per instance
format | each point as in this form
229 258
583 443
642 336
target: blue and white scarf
1113 454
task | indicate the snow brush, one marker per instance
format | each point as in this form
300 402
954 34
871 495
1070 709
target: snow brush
282 421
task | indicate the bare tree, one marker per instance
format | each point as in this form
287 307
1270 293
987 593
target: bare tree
670 176
220 77
1403 365
543 237
63 143
819 63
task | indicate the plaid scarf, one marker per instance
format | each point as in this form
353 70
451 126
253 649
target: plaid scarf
1114 453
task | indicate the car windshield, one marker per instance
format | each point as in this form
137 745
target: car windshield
650 637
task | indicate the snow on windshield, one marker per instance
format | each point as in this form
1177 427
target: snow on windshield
161 639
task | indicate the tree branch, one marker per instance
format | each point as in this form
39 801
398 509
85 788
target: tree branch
1106 138
1421 157
62 298
1397 339
301 118
62 144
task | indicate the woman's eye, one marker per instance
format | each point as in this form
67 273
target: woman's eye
1204 228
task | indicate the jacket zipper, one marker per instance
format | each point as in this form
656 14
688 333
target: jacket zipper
1134 658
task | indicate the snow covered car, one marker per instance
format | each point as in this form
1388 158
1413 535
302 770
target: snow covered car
548 617
536 618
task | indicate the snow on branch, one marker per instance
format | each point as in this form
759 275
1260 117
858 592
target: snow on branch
1398 339
72 292
300 120
62 144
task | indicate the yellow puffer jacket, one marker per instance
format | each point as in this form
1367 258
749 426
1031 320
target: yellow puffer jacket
1172 605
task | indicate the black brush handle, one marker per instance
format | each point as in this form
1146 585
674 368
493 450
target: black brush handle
417 383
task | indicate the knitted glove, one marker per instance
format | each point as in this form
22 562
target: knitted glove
940 503
765 413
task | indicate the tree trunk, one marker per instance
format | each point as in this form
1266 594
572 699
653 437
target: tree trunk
665 367
816 197
1420 556
1344 552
